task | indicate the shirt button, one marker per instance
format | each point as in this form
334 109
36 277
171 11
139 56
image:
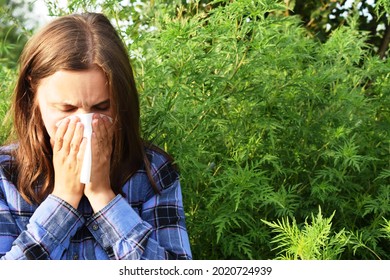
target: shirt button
75 257
95 227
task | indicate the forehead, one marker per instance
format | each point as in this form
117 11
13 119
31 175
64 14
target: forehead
86 86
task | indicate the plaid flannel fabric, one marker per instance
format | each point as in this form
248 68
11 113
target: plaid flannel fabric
139 225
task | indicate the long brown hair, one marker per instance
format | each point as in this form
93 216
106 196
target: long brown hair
74 42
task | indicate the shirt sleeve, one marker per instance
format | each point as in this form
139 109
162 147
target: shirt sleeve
48 233
158 232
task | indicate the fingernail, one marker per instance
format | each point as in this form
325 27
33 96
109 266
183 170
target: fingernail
72 118
105 117
59 122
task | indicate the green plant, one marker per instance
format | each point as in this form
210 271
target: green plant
266 124
315 241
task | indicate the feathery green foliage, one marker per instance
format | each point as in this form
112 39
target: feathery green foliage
315 241
268 126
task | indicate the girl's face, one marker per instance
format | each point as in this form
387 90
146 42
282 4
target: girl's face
67 93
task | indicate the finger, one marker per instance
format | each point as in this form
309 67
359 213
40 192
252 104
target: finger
59 135
69 134
99 144
96 126
100 132
77 139
109 127
81 151
105 127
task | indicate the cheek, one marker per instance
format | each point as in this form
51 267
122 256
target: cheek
50 119
49 124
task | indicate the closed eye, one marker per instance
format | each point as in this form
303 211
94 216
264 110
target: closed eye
102 106
67 108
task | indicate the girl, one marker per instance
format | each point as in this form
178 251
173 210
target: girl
132 206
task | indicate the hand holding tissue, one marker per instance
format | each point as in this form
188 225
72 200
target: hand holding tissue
86 120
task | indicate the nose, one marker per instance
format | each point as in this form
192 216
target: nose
82 111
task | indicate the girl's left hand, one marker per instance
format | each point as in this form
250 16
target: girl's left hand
99 191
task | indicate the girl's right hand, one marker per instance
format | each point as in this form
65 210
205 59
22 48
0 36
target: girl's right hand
68 153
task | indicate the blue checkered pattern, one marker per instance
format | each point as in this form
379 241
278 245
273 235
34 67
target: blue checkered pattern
139 225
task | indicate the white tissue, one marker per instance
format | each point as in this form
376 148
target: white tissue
86 120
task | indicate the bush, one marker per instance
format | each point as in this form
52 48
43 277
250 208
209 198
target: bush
266 123
7 78
269 127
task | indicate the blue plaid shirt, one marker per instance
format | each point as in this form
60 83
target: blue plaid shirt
141 225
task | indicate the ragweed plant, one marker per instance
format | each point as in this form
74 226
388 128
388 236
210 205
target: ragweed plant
266 124
313 240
